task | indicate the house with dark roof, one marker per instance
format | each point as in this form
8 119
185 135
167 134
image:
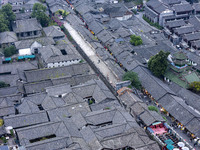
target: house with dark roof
16 2
7 39
196 7
54 32
61 55
118 11
31 45
189 38
29 28
163 11
51 73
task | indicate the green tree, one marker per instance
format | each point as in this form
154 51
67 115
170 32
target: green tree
3 23
6 10
158 63
9 51
43 19
3 84
39 13
136 40
133 77
37 8
195 86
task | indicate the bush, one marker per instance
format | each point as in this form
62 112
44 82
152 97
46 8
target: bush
9 51
195 86
136 40
153 108
1 122
3 84
156 25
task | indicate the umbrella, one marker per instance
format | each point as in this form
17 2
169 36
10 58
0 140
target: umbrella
176 149
185 148
169 141
170 147
181 144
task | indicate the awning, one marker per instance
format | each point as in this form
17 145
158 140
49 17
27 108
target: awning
8 59
170 147
150 130
156 123
169 141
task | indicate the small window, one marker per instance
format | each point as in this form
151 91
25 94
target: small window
40 107
63 51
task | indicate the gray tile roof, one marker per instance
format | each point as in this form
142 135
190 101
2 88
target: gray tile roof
175 23
95 27
177 107
192 36
26 25
9 91
7 37
195 22
37 87
184 30
10 100
46 129
52 54
24 120
5 111
183 7
44 41
53 31
44 74
152 84
14 67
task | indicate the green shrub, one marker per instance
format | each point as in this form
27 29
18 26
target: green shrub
153 108
9 51
1 122
3 84
136 40
156 25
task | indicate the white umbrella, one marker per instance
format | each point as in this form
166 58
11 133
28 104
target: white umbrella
185 148
181 144
176 149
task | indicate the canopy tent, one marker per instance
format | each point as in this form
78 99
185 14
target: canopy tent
181 144
185 148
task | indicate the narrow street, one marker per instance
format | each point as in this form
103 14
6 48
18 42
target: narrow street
90 52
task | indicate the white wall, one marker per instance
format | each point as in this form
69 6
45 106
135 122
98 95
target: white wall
35 45
126 17
65 63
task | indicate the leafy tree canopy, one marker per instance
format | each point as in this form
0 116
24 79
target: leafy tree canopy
6 17
39 13
3 24
37 8
158 63
133 77
9 51
136 40
195 86
8 13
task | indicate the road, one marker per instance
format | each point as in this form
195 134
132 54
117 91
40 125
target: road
90 52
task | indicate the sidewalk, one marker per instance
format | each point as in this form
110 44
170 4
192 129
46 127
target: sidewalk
90 52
